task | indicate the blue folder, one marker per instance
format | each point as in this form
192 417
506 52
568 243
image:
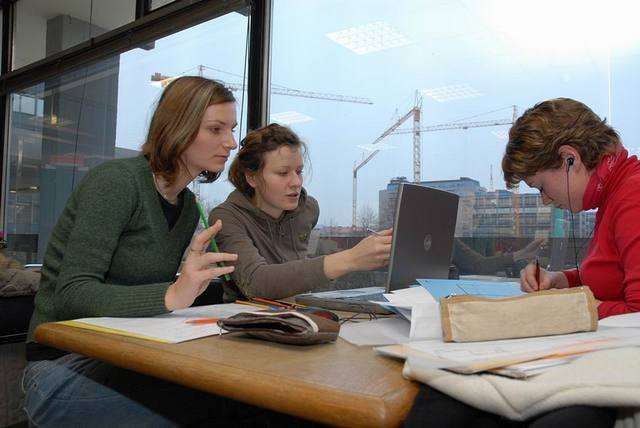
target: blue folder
439 288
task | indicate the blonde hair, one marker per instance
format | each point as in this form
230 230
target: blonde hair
176 122
537 135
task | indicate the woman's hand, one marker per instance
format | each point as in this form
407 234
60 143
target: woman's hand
198 270
370 253
548 279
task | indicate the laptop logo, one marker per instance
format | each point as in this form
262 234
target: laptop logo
427 242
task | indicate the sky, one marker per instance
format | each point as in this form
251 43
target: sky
502 53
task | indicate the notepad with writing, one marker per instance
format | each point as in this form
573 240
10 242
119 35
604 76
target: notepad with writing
173 327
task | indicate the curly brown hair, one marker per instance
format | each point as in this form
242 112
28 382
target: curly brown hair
176 122
250 157
537 135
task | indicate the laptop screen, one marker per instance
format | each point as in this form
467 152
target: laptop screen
423 229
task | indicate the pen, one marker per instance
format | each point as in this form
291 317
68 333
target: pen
213 245
538 273
203 321
255 305
280 303
373 231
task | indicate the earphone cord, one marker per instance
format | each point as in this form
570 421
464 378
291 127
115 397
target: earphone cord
573 229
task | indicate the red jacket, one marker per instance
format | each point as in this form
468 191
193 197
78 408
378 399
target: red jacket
611 267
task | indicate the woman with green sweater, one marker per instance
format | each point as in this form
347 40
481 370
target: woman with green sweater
115 252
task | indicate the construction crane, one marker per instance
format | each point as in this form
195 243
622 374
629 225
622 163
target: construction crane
160 80
275 89
416 112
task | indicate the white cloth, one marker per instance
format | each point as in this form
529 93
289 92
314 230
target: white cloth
609 378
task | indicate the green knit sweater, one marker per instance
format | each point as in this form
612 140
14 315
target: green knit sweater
111 254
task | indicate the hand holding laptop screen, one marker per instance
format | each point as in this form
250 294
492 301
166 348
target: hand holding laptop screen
371 253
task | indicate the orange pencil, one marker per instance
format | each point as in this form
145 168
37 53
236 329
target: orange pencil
203 321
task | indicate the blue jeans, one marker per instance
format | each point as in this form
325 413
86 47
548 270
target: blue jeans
75 391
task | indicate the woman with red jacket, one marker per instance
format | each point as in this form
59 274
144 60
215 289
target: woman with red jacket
578 163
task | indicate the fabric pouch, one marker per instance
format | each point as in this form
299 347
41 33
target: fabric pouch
302 326
543 313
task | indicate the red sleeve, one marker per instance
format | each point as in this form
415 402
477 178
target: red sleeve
573 278
626 233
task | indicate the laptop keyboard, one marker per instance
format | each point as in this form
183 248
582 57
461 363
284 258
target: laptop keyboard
379 297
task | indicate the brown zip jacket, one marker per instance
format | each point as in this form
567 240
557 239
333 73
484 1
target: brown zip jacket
272 253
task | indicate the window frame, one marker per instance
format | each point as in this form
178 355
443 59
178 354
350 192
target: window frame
147 27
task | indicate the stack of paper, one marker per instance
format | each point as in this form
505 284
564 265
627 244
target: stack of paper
173 327
384 331
420 320
514 357
420 309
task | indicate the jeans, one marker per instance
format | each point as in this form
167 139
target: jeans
77 391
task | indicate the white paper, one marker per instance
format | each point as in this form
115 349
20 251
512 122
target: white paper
425 321
385 331
405 313
408 297
418 306
532 368
458 356
171 327
626 320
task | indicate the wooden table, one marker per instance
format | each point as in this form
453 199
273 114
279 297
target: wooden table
336 384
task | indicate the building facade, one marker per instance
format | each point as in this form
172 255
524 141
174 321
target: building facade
493 214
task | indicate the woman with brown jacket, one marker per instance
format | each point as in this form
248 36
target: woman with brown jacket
268 220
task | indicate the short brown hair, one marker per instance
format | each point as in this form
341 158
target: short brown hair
537 135
250 157
176 121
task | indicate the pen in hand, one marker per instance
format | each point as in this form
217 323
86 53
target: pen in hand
538 273
373 232
213 246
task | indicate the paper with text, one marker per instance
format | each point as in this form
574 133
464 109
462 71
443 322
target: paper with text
166 328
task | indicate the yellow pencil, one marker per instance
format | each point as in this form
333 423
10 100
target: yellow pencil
244 302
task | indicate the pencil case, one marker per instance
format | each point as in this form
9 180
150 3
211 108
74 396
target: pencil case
301 326
543 313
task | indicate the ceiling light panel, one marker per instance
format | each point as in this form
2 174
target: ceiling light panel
452 92
290 117
368 38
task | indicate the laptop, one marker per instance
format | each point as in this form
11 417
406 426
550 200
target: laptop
424 225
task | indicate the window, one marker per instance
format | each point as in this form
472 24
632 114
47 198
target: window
44 28
460 64
155 4
62 127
